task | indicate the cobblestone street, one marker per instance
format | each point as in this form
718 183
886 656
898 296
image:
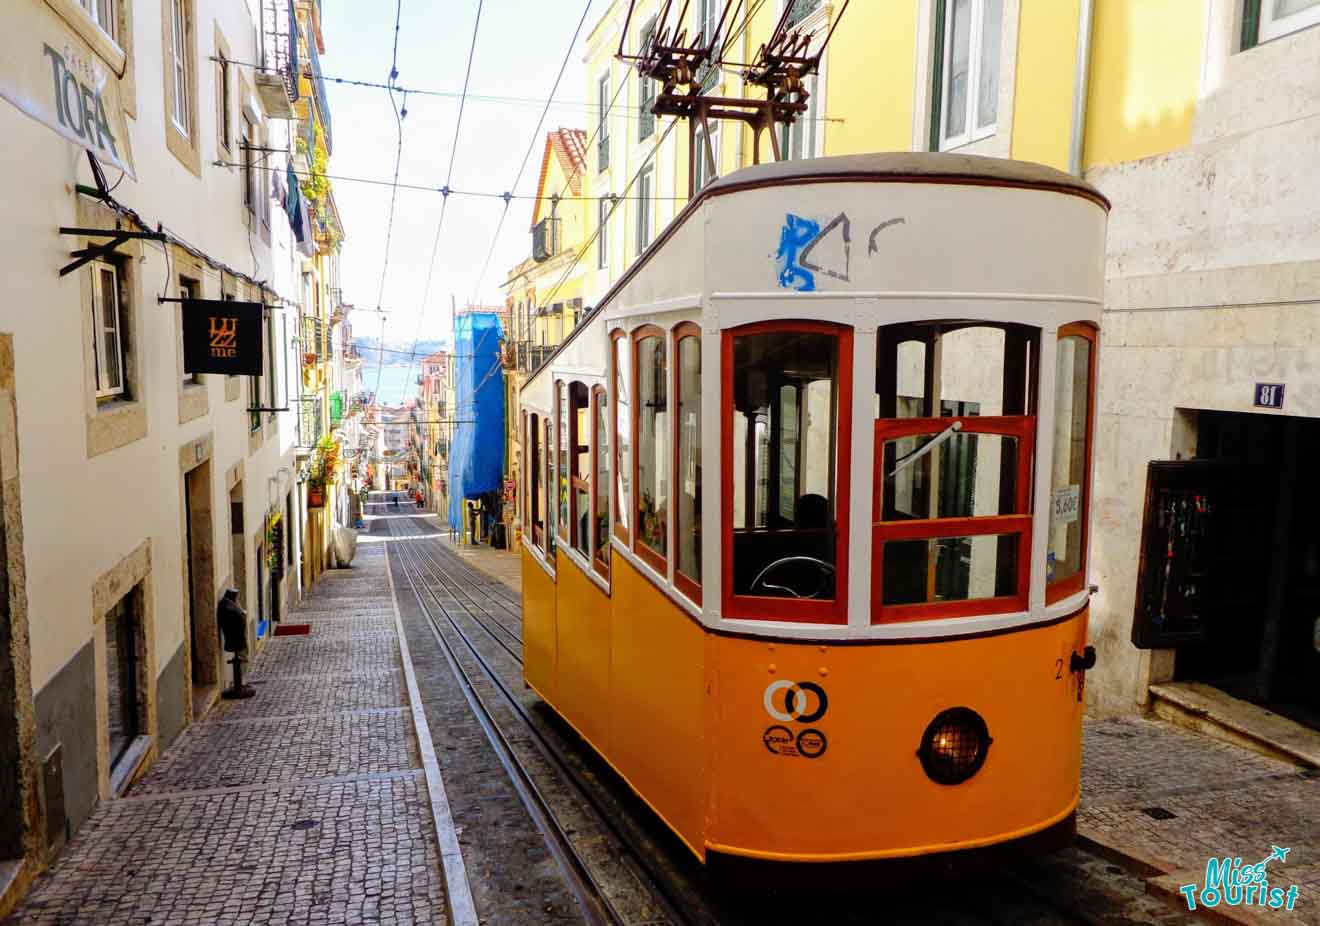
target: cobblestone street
305 804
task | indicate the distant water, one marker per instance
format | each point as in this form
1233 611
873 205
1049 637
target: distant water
396 382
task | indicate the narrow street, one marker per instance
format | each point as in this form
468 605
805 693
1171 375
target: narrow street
309 803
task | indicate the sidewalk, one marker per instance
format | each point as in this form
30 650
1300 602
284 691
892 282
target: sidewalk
306 804
504 565
1166 800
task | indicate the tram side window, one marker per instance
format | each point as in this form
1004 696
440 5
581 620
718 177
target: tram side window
687 487
547 490
578 433
651 496
622 434
537 478
954 432
562 439
601 511
1069 482
787 511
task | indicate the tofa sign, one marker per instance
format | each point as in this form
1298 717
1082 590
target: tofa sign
222 337
50 71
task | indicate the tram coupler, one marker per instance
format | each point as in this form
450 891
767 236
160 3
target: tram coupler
238 691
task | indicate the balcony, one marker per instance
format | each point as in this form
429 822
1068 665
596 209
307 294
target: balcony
545 240
277 79
322 101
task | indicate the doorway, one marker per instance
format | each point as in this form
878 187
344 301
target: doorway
11 760
1230 566
203 633
123 650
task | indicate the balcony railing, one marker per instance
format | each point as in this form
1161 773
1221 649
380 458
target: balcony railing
545 239
310 421
277 80
318 84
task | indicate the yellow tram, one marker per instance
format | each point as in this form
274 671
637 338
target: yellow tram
805 506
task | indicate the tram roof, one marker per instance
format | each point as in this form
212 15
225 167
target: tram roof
909 166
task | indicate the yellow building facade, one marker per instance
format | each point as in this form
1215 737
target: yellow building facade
1196 118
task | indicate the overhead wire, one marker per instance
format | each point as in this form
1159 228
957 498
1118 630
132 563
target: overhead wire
531 146
394 189
444 203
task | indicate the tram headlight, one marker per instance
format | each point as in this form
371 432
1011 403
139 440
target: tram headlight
954 746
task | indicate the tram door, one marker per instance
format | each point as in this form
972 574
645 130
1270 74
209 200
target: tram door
1229 573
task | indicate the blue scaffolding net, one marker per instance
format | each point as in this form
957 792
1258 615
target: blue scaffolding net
476 456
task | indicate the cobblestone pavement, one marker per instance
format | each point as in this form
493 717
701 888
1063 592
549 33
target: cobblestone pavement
306 804
1174 799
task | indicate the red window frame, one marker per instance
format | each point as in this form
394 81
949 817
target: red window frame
535 475
651 557
549 470
617 528
1055 591
682 331
524 508
561 467
600 554
1022 427
792 609
578 482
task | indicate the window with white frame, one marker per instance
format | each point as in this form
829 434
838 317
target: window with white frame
179 65
1275 18
107 331
105 14
645 210
708 22
603 209
801 9
603 123
798 140
702 173
645 88
246 140
966 98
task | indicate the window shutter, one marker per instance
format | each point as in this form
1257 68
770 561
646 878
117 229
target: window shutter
937 76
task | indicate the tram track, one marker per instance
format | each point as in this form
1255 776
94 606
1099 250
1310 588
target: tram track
543 758
534 776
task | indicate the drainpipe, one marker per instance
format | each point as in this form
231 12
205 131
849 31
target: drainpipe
1081 84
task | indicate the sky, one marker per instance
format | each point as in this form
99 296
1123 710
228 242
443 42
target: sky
519 49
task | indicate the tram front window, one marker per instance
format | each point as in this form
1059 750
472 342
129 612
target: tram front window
784 443
954 431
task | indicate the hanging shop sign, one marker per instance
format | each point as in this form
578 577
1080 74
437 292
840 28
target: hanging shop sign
60 69
222 337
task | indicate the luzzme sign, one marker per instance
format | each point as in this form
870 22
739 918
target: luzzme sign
49 71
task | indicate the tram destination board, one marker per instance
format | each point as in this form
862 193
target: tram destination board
222 337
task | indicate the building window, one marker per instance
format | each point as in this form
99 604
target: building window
645 88
246 138
179 66
600 455
107 331
687 475
702 173
105 13
966 97
579 432
645 209
622 377
188 289
786 427
1263 20
708 23
651 435
603 123
1070 472
798 141
801 9
223 92
953 470
603 210
272 368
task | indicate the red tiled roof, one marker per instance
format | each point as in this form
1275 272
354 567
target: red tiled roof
570 147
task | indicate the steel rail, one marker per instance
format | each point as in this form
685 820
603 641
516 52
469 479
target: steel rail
596 907
672 901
